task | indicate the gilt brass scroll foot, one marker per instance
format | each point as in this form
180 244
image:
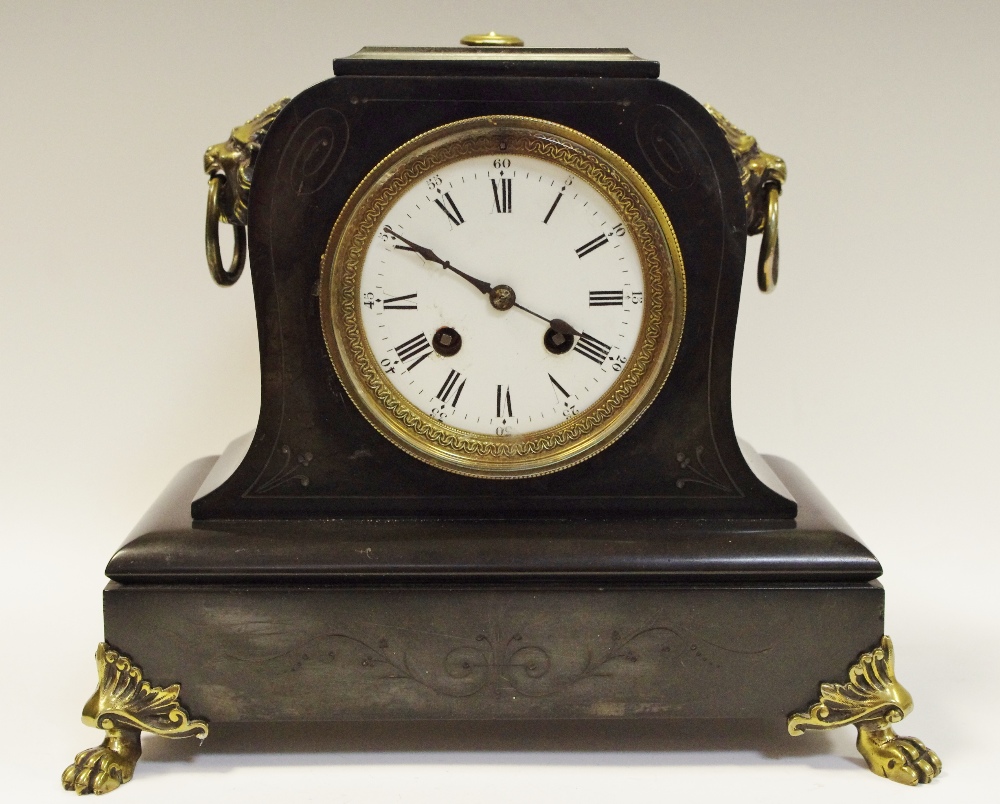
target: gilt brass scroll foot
873 700
124 706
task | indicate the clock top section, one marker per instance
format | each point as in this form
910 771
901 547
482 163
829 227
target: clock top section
315 455
492 60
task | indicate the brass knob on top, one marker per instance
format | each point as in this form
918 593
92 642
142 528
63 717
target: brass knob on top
492 39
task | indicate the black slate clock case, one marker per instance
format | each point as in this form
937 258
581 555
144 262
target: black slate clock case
314 455
322 574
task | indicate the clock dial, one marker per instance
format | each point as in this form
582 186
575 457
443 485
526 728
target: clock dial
502 297
467 216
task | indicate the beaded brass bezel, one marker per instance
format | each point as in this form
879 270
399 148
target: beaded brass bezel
540 452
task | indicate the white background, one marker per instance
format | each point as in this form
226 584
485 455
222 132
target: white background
873 366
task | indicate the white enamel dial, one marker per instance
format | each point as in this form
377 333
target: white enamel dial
502 297
517 222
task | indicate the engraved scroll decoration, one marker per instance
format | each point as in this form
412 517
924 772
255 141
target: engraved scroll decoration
505 661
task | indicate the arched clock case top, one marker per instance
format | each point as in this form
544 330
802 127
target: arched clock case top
313 452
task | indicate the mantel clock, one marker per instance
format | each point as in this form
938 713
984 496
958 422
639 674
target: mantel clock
495 473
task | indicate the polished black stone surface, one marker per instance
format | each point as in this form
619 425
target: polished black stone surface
420 618
497 61
474 651
168 547
313 455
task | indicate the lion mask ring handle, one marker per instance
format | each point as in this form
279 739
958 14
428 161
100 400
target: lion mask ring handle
213 252
762 176
229 166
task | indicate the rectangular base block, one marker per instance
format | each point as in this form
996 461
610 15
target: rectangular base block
484 651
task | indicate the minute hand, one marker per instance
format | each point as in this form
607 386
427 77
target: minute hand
427 254
557 324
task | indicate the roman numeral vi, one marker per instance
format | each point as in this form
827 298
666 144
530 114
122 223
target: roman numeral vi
503 401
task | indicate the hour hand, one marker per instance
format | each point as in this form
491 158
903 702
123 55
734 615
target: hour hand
423 251
427 254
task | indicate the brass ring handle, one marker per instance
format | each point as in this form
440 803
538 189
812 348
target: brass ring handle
212 250
767 264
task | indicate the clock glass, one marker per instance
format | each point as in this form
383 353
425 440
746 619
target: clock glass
502 296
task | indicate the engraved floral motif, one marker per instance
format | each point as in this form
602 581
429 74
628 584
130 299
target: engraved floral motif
498 665
504 662
290 471
698 472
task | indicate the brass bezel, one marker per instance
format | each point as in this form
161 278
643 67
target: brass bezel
541 452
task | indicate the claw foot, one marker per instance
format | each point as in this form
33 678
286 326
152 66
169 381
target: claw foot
872 700
900 759
124 706
107 767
